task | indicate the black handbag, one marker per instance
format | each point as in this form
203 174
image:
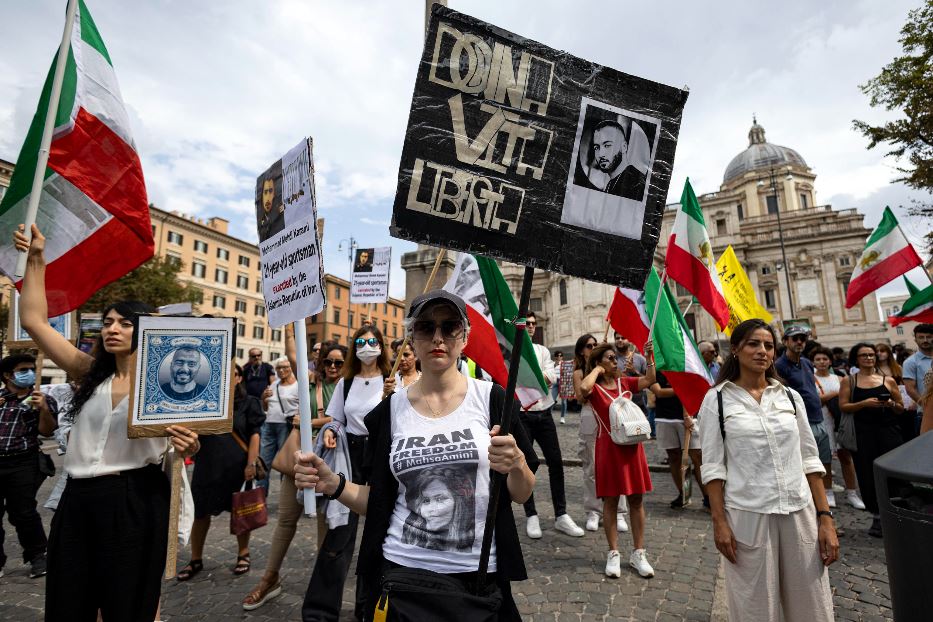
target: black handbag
416 595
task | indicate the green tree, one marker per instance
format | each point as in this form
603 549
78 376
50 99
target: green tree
155 282
906 85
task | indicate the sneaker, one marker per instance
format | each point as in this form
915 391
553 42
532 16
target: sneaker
614 564
565 524
37 567
838 488
533 527
831 498
875 530
854 500
639 561
621 525
592 521
678 503
563 421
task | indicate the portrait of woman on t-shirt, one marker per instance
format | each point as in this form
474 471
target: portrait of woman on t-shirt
441 516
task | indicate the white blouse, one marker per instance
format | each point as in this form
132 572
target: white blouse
98 445
768 451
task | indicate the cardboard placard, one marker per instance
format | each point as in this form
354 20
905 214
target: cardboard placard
518 151
19 339
181 374
369 280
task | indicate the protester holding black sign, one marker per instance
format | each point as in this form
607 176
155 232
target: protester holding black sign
425 510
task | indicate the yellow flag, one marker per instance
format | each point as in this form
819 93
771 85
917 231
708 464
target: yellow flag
738 291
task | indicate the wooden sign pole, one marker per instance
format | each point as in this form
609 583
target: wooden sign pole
171 555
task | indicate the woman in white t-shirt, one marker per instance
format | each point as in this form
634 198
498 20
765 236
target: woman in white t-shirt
432 448
280 403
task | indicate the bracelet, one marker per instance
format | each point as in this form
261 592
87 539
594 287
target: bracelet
824 513
649 365
340 487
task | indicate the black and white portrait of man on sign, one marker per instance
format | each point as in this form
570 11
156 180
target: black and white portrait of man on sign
611 170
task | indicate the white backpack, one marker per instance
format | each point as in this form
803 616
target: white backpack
627 423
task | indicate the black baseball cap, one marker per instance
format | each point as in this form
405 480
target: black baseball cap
437 296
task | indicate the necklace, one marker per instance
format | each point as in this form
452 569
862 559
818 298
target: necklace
434 413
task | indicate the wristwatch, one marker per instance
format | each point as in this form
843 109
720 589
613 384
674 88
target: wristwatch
824 513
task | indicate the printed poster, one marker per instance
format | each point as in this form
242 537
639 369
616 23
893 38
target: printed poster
369 281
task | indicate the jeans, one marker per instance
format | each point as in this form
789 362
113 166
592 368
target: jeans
650 415
558 400
19 477
272 438
539 424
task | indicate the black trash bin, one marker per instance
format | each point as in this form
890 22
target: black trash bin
904 481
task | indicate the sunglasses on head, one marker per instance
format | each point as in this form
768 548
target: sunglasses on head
360 342
426 329
332 363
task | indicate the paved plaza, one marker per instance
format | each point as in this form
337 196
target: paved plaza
566 580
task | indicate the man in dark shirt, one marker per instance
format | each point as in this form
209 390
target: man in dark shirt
799 374
24 414
258 375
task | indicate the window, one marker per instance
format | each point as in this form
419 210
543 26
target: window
313 338
770 301
314 319
198 269
772 204
336 337
175 238
274 355
741 212
845 261
240 329
385 327
352 317
260 310
243 261
681 290
721 226
223 254
336 316
239 353
803 201
242 281
2 189
276 335
537 305
220 275
895 310
385 308
766 269
200 247
899 330
259 332
240 306
336 292
258 286
220 301
394 311
173 259
562 291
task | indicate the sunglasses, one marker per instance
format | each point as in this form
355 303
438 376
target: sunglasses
332 363
426 329
589 346
283 368
360 342
530 323
798 338
611 358
255 356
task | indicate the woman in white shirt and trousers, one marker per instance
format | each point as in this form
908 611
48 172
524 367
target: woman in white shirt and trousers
110 533
771 520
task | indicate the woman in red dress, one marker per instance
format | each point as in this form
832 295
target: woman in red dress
620 469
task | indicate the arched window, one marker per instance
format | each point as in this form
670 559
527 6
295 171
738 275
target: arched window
562 291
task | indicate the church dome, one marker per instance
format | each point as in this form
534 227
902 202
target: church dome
760 155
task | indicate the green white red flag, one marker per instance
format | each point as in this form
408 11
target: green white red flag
690 261
887 255
675 352
917 308
93 208
491 310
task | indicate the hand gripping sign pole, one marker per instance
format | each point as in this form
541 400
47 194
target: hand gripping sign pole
304 403
505 426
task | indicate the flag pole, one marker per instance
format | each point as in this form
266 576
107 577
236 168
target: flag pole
506 424
54 96
657 303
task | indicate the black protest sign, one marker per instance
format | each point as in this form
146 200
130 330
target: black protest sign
525 153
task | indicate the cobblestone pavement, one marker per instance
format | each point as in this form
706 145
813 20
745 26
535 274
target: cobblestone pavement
566 579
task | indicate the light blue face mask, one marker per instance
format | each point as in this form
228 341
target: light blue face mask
24 378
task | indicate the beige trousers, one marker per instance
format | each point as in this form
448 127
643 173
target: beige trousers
778 574
287 524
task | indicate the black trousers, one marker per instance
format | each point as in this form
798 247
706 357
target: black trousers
324 596
107 548
872 441
539 425
19 481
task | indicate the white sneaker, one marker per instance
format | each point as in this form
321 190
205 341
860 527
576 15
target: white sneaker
533 527
592 521
565 524
831 498
614 564
854 500
838 488
621 525
639 561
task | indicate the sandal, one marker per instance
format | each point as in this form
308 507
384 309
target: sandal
259 596
191 569
242 564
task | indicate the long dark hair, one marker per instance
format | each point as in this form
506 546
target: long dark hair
596 356
741 334
352 367
104 363
239 390
579 352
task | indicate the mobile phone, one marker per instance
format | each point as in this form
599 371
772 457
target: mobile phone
884 396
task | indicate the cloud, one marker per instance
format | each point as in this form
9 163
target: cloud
371 221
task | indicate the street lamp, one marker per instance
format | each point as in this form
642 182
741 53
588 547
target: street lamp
777 210
351 248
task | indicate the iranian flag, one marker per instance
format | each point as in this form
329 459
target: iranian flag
887 255
93 208
917 308
491 309
690 259
675 352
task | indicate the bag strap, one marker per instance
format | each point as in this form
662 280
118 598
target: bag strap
346 389
722 417
790 396
319 390
853 380
278 396
239 441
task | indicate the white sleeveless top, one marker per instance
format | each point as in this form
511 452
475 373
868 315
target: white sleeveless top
98 444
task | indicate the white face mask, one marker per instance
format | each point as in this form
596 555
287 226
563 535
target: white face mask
368 354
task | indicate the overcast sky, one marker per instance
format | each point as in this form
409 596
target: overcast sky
216 91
